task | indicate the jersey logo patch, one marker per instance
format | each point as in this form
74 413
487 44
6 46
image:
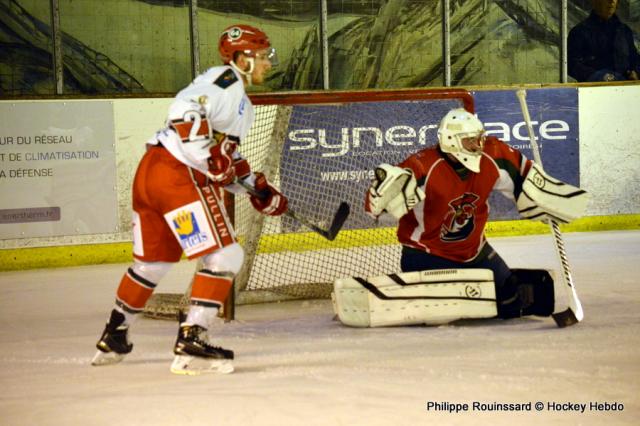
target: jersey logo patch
188 230
459 222
191 228
226 79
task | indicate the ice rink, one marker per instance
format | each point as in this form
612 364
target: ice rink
295 365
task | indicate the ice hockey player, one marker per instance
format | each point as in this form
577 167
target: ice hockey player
178 207
440 196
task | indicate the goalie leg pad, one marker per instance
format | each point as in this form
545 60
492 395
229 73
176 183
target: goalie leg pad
543 196
431 297
526 292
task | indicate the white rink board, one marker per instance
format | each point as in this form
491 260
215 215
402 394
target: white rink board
57 169
609 154
610 148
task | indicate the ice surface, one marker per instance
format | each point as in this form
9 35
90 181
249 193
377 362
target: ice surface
295 365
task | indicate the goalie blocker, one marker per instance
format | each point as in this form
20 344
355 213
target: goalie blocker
543 196
437 297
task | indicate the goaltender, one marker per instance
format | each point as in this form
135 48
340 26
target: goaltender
449 270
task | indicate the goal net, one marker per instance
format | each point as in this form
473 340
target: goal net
320 149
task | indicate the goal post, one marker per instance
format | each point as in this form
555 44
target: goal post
320 149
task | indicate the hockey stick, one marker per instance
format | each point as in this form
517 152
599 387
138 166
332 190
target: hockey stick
573 314
330 234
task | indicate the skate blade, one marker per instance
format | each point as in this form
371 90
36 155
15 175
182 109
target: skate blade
193 366
106 358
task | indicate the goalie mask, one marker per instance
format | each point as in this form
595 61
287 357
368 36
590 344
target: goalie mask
461 134
247 40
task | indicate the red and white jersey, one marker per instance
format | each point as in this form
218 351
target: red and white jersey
212 107
450 221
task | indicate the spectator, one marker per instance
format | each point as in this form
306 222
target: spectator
601 48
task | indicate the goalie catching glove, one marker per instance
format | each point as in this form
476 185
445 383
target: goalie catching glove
394 190
269 201
544 197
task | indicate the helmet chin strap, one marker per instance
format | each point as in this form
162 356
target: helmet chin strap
246 74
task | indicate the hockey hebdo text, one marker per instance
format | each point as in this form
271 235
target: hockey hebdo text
551 406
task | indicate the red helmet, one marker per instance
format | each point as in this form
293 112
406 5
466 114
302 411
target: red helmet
241 38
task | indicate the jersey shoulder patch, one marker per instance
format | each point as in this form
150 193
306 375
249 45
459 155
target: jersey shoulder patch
226 79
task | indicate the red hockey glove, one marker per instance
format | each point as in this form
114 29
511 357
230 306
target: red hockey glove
273 203
221 170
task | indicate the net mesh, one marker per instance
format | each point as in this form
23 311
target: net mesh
321 152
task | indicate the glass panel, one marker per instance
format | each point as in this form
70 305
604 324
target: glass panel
378 44
26 66
124 46
139 46
291 27
505 42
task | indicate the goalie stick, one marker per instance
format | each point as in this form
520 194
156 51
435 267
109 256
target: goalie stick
330 234
574 313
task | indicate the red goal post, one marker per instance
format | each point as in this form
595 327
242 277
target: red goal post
320 149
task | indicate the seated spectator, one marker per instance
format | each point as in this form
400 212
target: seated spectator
601 47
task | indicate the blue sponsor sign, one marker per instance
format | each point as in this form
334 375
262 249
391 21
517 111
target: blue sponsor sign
554 115
331 150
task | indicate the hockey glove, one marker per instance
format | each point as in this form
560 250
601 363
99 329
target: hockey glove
545 197
394 190
270 202
220 161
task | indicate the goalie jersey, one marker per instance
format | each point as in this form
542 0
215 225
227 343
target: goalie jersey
450 221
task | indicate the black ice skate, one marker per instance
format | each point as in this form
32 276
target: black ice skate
194 354
114 342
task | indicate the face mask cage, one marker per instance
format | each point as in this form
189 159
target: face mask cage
472 143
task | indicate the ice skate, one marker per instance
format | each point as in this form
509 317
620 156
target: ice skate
114 342
194 354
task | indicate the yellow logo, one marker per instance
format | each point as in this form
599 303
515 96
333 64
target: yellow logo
184 223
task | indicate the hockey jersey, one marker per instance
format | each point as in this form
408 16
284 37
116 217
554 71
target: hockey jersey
213 107
450 221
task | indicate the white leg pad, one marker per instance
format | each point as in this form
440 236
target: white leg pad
427 297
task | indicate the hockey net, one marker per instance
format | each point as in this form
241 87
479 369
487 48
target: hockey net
320 149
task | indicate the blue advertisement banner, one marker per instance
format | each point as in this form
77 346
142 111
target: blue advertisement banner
331 150
554 118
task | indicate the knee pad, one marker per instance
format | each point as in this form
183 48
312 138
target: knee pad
226 259
151 271
526 292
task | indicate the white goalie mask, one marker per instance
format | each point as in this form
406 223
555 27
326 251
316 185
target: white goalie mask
461 134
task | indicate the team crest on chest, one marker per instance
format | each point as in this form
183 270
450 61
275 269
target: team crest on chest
459 222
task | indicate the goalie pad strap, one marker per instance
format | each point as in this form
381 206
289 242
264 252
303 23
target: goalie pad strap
425 297
543 196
